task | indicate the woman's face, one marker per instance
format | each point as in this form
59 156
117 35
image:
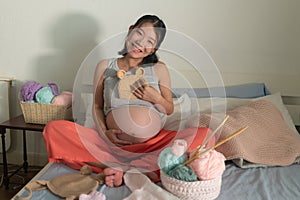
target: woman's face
141 41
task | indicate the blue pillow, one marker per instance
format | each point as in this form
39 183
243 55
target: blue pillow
250 90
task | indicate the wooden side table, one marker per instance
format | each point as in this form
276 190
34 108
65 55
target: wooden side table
16 123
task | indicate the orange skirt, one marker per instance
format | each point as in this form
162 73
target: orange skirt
76 145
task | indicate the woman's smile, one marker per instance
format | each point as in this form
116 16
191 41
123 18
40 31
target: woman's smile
136 49
142 40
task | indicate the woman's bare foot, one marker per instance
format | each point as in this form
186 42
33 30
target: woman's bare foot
113 176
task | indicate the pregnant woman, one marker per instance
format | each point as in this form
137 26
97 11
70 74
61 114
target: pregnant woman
134 120
128 130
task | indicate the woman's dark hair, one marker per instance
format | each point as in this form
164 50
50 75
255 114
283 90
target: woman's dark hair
160 30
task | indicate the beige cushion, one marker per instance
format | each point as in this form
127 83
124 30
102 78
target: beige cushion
209 105
267 141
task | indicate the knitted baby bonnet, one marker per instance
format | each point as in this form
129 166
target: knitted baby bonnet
68 186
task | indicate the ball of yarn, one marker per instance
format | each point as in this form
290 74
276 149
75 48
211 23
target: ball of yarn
64 99
179 147
28 90
44 95
54 88
183 173
209 166
167 160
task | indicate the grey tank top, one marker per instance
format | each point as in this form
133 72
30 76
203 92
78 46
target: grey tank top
110 92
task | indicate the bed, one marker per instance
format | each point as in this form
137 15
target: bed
276 180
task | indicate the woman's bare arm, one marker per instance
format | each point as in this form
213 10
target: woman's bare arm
98 102
166 100
163 99
98 105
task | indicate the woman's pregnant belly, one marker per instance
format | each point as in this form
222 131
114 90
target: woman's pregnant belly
139 124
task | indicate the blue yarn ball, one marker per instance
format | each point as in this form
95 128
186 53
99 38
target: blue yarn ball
183 173
167 160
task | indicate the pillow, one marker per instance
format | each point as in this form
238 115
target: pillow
89 120
248 90
182 110
267 141
209 105
216 104
277 101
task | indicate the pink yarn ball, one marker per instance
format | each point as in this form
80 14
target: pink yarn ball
209 166
63 99
179 147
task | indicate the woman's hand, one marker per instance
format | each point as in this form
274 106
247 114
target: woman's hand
147 93
142 90
112 135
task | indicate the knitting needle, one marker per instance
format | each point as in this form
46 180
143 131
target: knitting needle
195 156
212 134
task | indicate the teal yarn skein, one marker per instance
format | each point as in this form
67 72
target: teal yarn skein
183 173
168 161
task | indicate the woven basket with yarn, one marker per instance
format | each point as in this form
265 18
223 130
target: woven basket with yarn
196 190
37 113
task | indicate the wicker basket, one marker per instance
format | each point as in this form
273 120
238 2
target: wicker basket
198 190
37 113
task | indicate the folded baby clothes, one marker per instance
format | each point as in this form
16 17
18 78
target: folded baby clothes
67 186
28 90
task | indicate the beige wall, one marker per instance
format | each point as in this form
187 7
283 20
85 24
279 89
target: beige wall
249 41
